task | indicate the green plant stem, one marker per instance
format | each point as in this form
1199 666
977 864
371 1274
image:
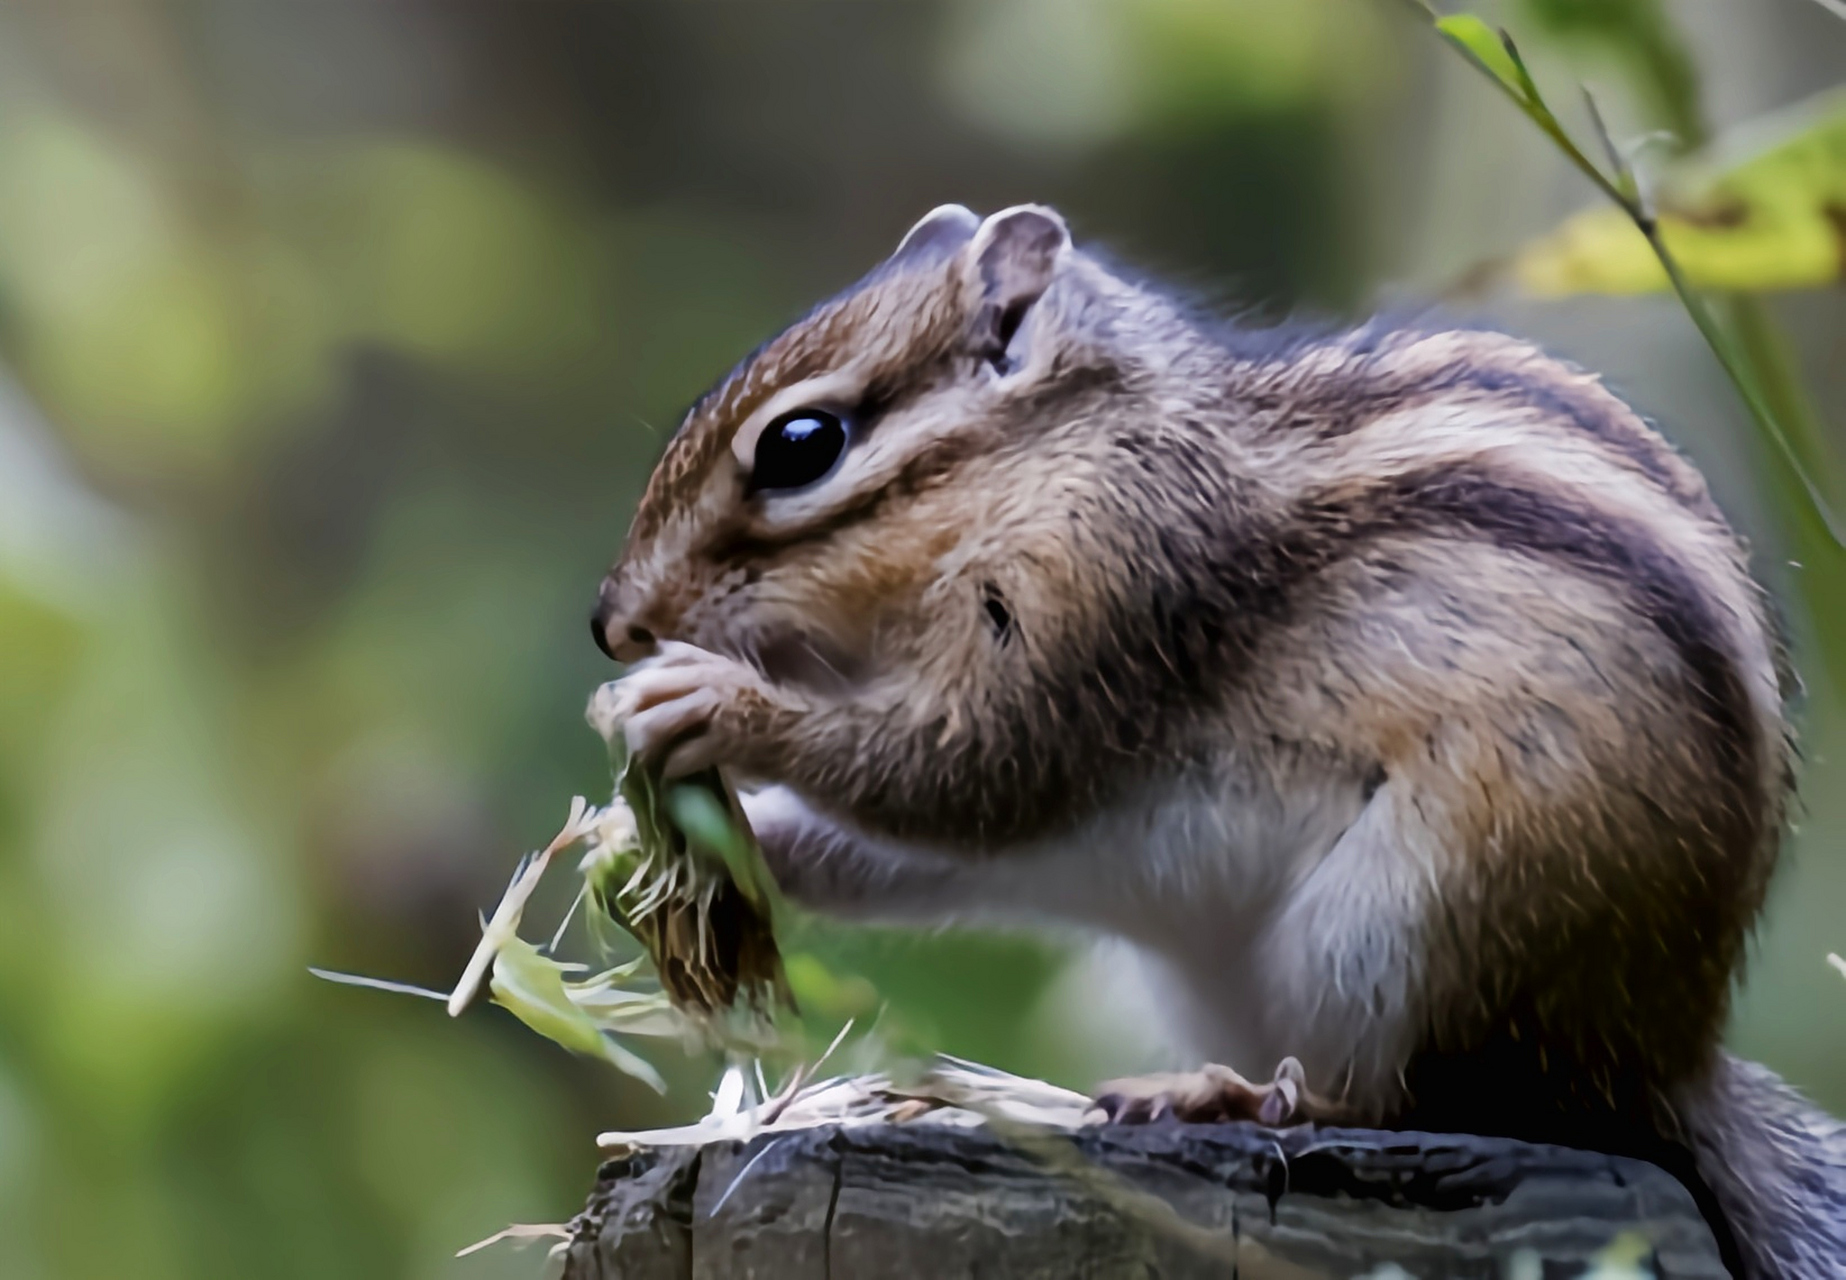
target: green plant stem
1821 564
1766 349
1749 378
1745 341
1645 40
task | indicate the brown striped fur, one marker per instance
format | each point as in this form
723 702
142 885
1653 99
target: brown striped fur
1467 638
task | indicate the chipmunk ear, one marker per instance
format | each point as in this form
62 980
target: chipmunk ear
1015 255
938 233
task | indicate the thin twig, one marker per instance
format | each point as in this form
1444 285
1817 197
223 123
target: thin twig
378 984
1633 203
558 937
520 1231
742 1174
505 921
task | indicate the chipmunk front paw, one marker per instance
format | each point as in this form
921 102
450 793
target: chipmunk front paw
687 709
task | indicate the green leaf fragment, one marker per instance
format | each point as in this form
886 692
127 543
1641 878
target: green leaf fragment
686 888
677 869
707 822
532 987
1487 47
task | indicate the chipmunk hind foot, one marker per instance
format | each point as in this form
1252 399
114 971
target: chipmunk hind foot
1215 1094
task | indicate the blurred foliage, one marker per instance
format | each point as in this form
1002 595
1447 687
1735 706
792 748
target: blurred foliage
174 346
1075 72
338 340
1647 50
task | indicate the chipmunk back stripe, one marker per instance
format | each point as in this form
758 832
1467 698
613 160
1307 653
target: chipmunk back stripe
1582 404
1470 499
1248 592
1409 369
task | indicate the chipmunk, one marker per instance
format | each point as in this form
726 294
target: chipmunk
1398 691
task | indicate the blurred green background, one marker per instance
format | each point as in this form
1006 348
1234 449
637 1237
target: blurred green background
336 341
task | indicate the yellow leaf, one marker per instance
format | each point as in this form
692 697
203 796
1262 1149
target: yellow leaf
1748 217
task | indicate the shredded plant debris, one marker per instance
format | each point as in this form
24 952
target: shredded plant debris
673 867
948 1090
685 887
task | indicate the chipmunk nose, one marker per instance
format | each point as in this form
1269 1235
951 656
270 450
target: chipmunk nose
615 633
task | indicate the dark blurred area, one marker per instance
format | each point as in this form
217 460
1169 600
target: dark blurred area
336 341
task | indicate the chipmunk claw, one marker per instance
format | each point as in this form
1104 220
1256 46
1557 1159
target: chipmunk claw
681 707
1212 1094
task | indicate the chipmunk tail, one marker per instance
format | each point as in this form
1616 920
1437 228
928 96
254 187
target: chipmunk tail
1775 1166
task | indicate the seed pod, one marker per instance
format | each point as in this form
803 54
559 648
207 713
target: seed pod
689 893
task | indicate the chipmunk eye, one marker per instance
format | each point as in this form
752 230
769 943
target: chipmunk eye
797 449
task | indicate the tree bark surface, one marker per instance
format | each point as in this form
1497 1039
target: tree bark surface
936 1200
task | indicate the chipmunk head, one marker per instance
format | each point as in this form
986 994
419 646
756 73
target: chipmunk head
841 490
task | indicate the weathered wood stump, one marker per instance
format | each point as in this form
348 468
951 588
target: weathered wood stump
934 1200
